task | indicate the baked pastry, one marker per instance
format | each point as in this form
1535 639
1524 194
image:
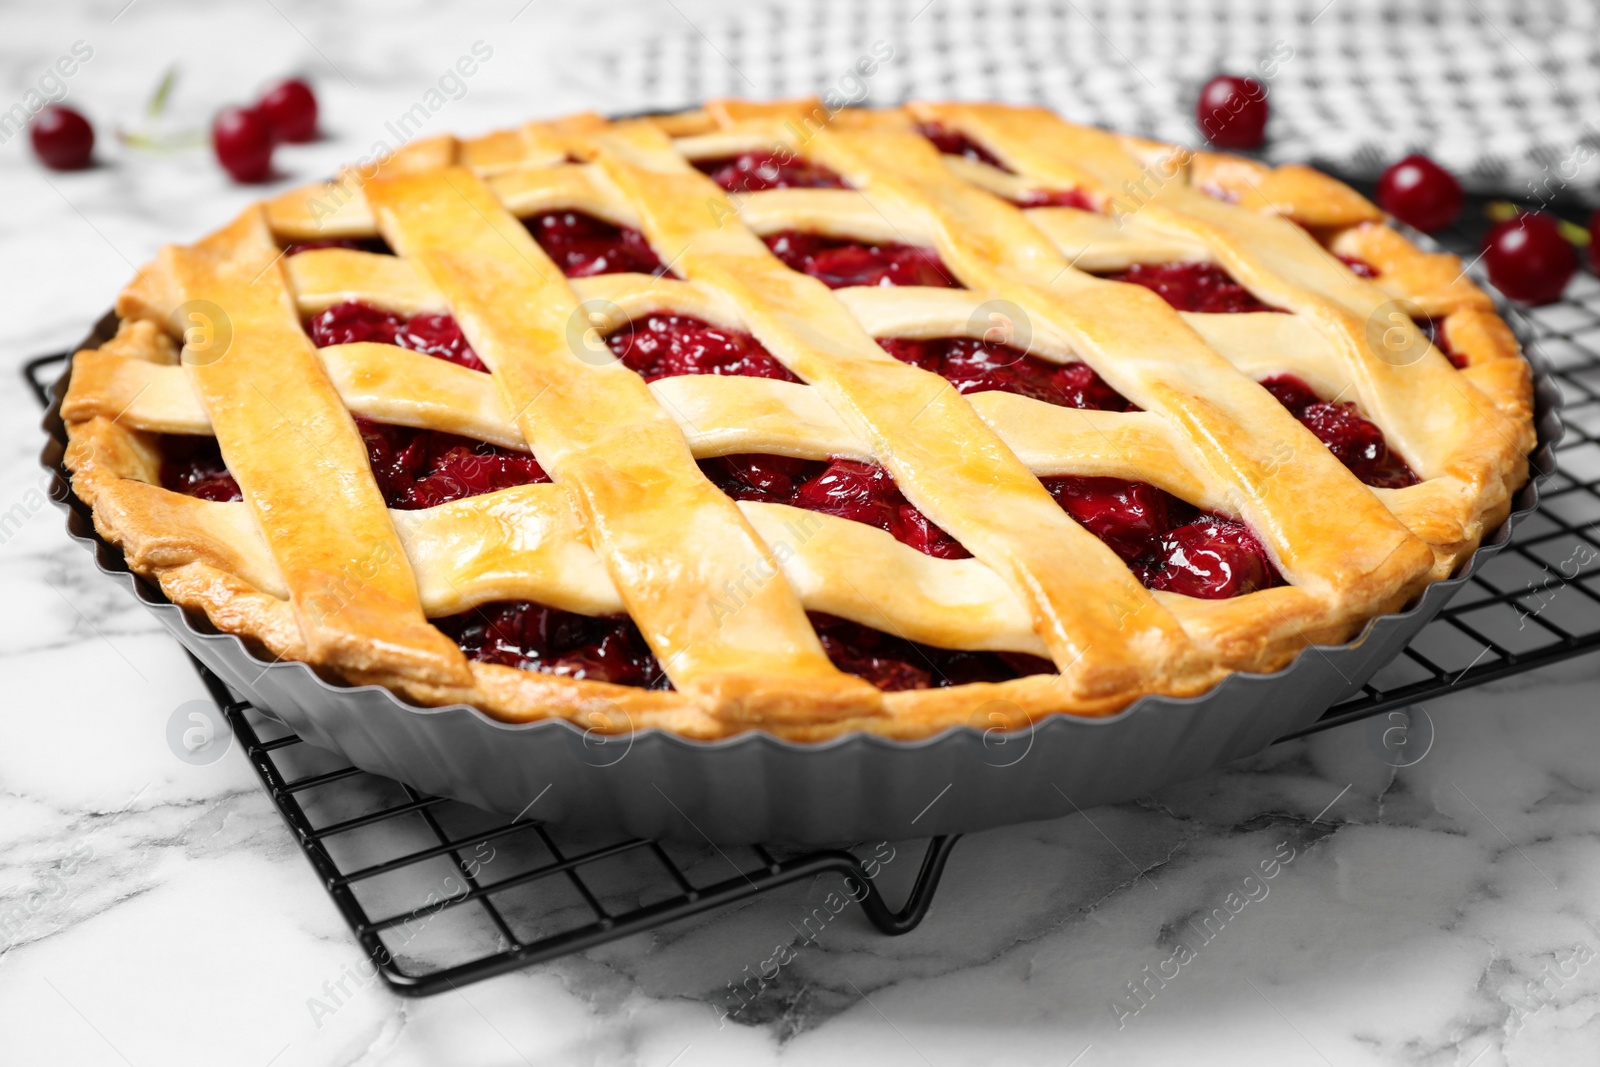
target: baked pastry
763 416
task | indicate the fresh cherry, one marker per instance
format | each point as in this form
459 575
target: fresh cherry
1232 111
1528 258
290 108
1419 192
243 142
62 138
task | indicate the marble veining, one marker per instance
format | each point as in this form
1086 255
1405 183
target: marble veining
1312 905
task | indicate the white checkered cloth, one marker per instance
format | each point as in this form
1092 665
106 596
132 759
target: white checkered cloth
1504 93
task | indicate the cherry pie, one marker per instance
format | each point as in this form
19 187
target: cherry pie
764 417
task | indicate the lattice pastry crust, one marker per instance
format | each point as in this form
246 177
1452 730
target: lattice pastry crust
313 566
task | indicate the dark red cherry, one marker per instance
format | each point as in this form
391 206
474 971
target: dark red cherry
976 366
1528 258
1232 112
433 335
290 108
954 143
754 172
910 526
772 479
1212 558
1357 443
1193 287
1130 517
1359 267
850 490
1074 198
1419 192
193 466
1290 391
438 335
891 663
1353 440
838 264
243 143
350 322
426 468
664 345
861 492
537 638
583 246
853 264
375 245
1082 387
62 138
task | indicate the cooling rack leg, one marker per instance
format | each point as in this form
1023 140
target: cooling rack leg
921 896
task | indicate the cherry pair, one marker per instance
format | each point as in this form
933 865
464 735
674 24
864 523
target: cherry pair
244 137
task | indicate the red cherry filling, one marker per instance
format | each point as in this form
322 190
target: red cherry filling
1137 520
533 637
193 466
952 143
893 663
1356 442
357 244
1192 286
1166 542
1434 328
583 246
1056 198
1130 517
663 345
838 264
1211 558
413 468
847 488
753 172
1359 267
425 468
434 335
975 366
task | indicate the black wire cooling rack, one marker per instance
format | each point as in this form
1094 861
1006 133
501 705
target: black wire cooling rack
440 894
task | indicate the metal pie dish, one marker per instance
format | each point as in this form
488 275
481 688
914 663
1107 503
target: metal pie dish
756 787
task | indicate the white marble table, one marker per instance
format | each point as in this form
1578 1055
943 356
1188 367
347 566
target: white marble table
1443 913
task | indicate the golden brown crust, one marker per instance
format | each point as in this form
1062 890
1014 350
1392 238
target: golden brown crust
595 542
